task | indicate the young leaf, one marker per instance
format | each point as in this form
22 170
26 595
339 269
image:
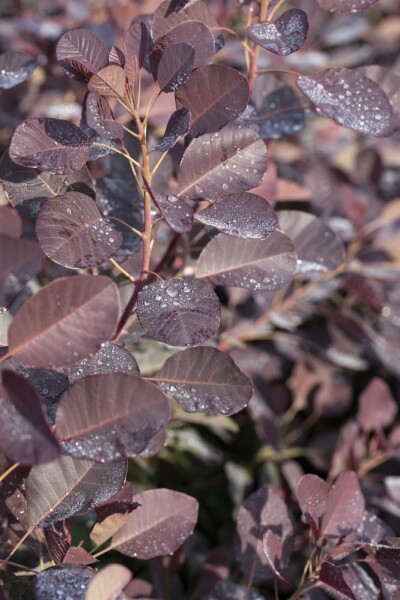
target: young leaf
40 333
284 36
350 99
272 546
377 408
50 145
345 506
256 265
333 577
61 488
109 81
72 232
205 380
317 247
175 66
63 581
116 57
100 118
176 212
179 312
231 161
15 67
312 493
344 6
177 126
20 261
135 44
81 53
162 523
25 435
241 215
215 95
109 359
108 583
110 416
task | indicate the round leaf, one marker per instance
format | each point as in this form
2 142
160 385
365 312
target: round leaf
175 66
109 359
100 118
81 53
109 81
177 126
176 212
284 36
108 583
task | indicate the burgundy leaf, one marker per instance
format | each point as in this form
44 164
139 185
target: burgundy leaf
20 261
215 95
272 546
100 118
280 112
241 215
57 545
103 531
65 486
116 57
79 556
345 506
135 44
15 67
177 126
72 232
109 359
317 247
205 380
352 6
312 493
108 583
38 332
179 312
50 145
165 17
175 66
25 435
81 53
121 502
377 408
350 99
389 81
256 265
10 222
231 161
176 212
110 416
162 523
49 385
109 81
284 36
63 581
333 577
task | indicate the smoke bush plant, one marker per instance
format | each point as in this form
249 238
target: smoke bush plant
139 223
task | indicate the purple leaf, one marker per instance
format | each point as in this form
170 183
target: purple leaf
345 506
50 145
241 215
72 232
227 590
175 66
15 67
272 546
280 113
312 493
100 118
10 222
116 57
25 435
162 523
377 408
205 380
177 126
104 530
231 161
350 99
165 17
20 261
57 545
284 36
79 556
65 581
39 330
333 577
108 583
256 265
109 359
81 53
135 44
215 95
176 212
110 416
179 312
109 81
61 488
352 6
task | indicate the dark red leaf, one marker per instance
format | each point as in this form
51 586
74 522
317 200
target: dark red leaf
20 261
135 44
78 556
345 506
100 118
57 545
279 111
82 53
175 66
377 408
177 126
64 581
109 81
116 57
108 583
179 312
312 493
50 145
15 67
284 36
10 222
205 380
109 359
165 17
272 546
333 577
176 212
215 95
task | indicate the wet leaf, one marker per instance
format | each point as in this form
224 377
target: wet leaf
109 81
20 261
108 582
61 488
110 416
350 99
215 95
50 145
317 247
352 6
162 523
109 359
40 332
241 215
273 551
177 126
176 212
333 577
280 114
377 408
15 67
231 161
285 35
345 506
165 17
175 66
100 118
25 435
81 53
179 312
312 493
205 380
72 232
256 265
65 581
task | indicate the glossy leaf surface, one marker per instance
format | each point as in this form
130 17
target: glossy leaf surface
15 67
273 551
100 118
175 66
68 581
205 380
345 506
176 212
284 36
109 81
177 126
312 493
109 359
81 53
